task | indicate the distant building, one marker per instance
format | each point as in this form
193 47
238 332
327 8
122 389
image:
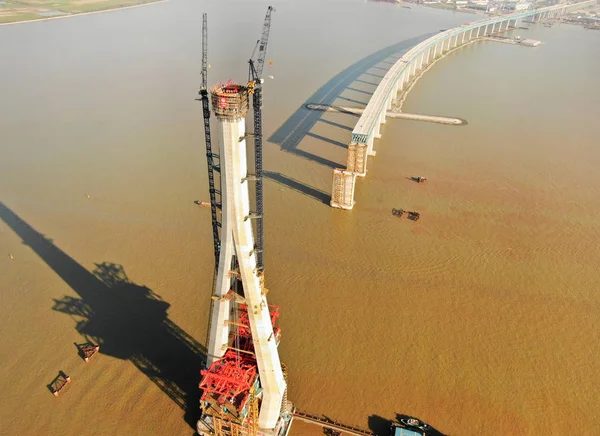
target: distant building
525 6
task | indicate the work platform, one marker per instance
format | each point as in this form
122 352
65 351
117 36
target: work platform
335 426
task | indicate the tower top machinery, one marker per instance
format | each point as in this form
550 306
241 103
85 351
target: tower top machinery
244 385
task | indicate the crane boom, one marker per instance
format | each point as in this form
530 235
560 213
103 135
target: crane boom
260 50
212 159
264 39
254 88
204 50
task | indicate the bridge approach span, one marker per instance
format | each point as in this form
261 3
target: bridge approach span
400 75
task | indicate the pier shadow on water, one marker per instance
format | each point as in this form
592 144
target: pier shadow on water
289 135
127 320
297 186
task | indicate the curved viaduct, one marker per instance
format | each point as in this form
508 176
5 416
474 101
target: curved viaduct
400 75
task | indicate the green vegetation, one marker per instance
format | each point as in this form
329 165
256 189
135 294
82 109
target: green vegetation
25 10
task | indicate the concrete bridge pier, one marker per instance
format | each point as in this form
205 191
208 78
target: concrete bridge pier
370 152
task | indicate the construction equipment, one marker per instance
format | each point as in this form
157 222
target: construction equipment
255 69
212 159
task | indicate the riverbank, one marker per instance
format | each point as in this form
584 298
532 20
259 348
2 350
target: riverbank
29 13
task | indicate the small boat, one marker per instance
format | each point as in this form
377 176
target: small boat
397 212
413 422
414 215
201 203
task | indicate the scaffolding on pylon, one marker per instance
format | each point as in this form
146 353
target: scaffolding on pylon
342 192
357 159
252 425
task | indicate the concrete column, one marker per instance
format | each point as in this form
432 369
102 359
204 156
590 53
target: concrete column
370 151
470 34
428 56
421 61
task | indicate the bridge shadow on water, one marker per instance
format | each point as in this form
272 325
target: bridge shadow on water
128 321
289 135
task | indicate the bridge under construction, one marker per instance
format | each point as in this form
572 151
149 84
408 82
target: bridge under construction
403 74
244 385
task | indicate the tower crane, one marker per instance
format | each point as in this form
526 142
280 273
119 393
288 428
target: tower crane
255 69
212 159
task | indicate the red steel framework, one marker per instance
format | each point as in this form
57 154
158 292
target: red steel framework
244 333
230 379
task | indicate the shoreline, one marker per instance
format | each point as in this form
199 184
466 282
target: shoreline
79 14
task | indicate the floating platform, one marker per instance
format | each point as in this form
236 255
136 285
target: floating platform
515 41
452 121
331 425
59 383
87 350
